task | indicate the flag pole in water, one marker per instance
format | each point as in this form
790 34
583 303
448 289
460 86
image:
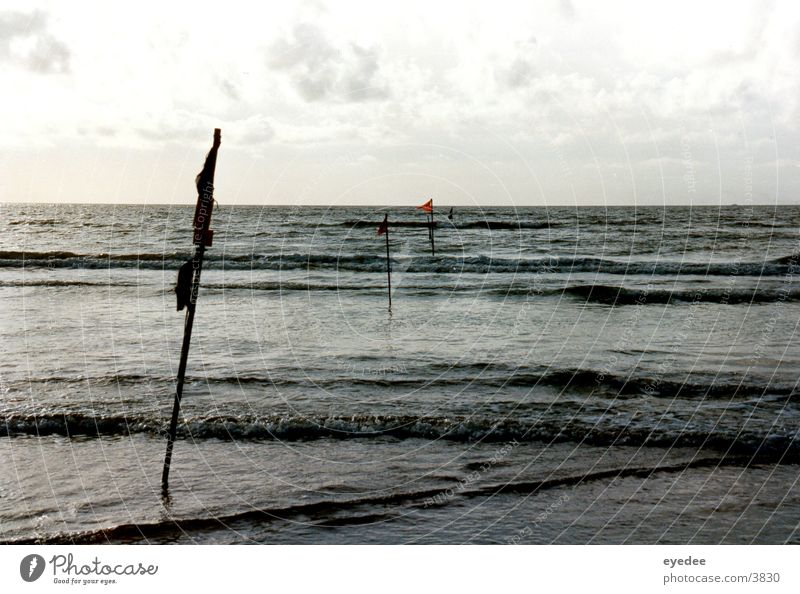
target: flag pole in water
433 249
428 208
189 284
383 229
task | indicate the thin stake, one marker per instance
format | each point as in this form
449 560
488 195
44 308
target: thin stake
202 220
388 261
197 265
433 249
429 219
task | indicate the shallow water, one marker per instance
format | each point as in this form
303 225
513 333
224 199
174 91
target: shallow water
646 359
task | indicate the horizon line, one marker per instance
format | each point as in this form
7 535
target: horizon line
384 206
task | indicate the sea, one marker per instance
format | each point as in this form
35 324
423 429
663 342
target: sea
549 375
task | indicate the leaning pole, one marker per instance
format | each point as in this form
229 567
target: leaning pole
202 238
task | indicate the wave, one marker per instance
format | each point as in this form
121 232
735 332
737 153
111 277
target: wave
324 512
421 223
790 260
64 283
504 225
476 375
42 222
612 295
418 264
602 294
777 447
526 487
491 225
172 528
56 255
438 375
285 286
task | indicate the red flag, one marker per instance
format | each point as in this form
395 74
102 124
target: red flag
384 228
428 206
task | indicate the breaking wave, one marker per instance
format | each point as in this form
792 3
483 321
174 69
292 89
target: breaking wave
361 509
611 295
417 264
774 446
433 375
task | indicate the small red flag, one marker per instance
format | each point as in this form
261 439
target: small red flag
428 206
384 228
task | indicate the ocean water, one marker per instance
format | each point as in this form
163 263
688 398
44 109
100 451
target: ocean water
551 375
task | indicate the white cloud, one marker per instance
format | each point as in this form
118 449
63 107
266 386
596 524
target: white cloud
321 71
572 82
26 41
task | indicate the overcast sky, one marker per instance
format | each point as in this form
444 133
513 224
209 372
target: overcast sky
536 103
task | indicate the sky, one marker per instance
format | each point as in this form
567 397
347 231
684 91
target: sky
540 103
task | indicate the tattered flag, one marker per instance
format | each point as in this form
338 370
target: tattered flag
427 207
384 226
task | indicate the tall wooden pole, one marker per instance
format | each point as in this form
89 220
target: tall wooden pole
201 238
388 261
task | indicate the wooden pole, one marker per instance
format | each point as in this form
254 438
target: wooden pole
202 238
433 249
388 262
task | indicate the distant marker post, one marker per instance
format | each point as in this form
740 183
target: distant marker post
433 248
383 229
428 209
202 237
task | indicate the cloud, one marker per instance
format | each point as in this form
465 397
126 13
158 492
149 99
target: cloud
517 74
320 70
48 56
519 71
253 130
567 10
230 90
26 41
183 126
95 131
748 47
177 126
13 24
